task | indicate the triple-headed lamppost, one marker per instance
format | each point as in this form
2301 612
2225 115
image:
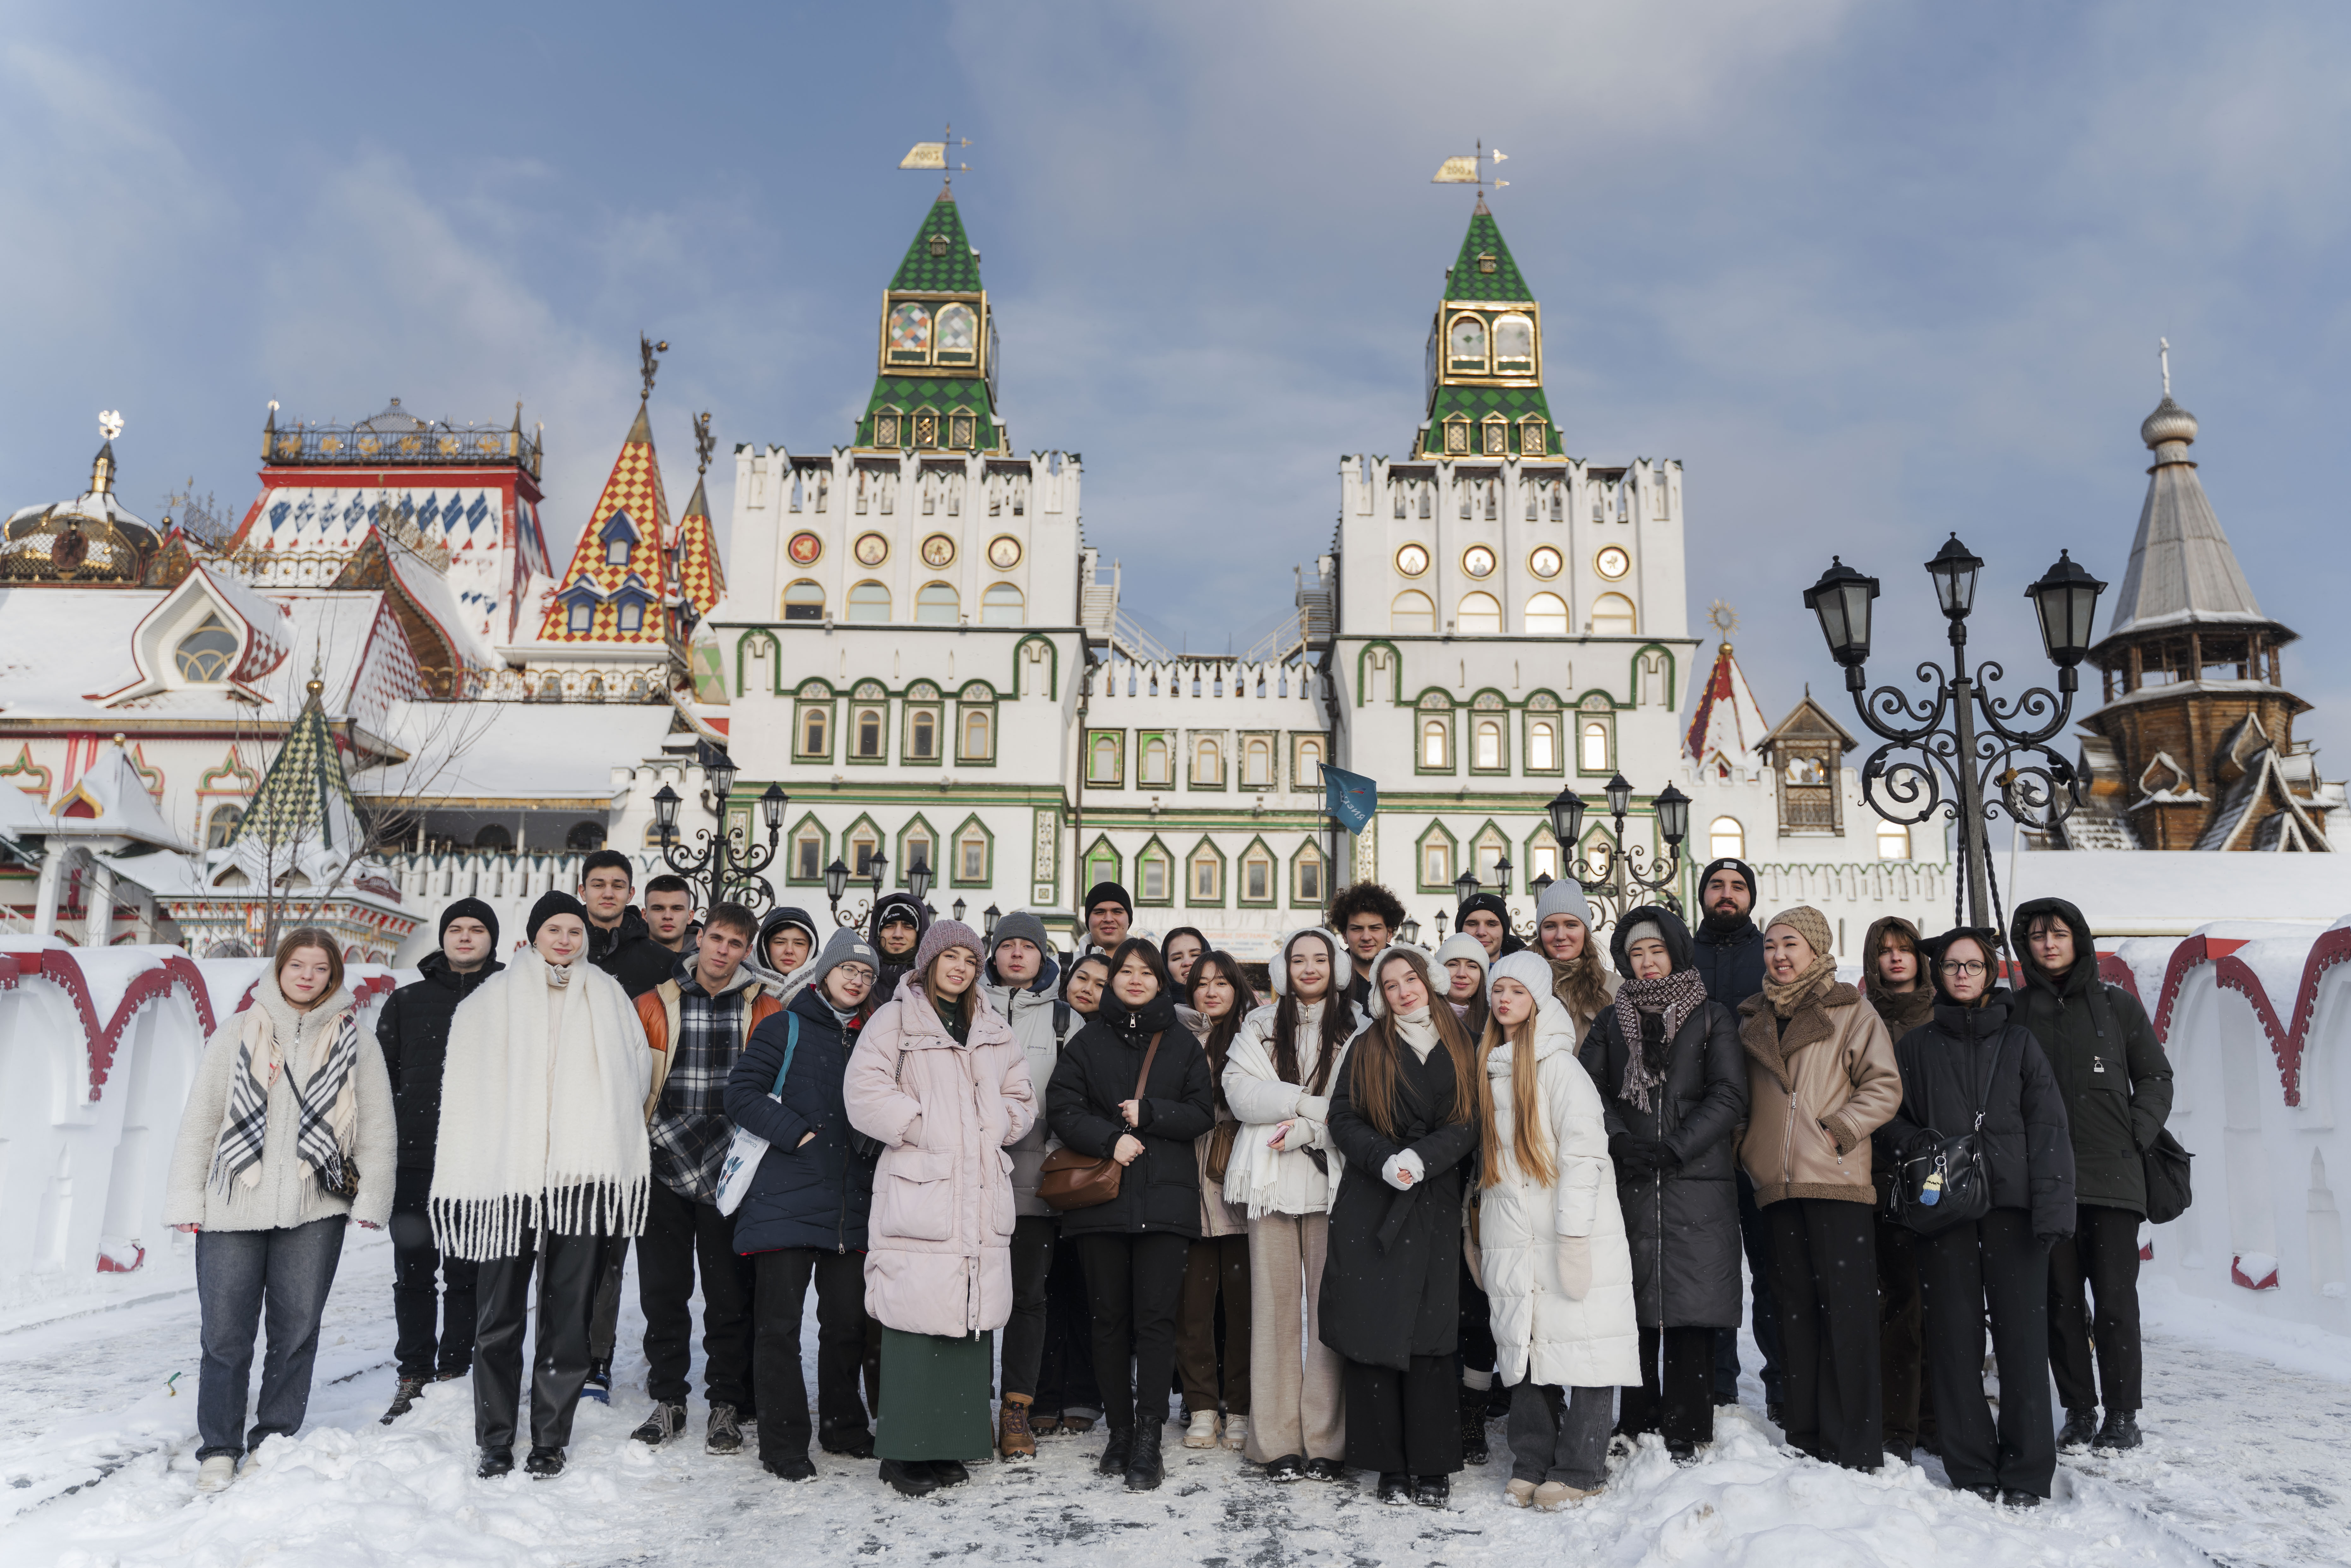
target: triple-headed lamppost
1618 882
729 865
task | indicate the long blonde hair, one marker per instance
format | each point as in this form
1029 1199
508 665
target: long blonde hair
1530 1145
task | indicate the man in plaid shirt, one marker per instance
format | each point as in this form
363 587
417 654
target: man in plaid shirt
697 1021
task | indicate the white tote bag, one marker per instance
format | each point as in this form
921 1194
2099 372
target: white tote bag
747 1148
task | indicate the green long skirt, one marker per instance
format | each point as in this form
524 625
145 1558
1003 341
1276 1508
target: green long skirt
935 1397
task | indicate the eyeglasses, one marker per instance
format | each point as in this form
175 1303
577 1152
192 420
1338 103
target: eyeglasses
1961 967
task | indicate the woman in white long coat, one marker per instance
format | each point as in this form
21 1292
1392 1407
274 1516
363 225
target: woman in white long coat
1552 1242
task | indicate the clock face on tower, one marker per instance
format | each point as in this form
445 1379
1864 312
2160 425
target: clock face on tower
938 550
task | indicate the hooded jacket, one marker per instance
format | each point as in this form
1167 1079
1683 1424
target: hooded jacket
1902 1010
629 954
893 969
816 1192
947 1111
413 1030
1943 1068
1682 1222
1556 1266
2110 1067
1815 1093
781 986
1042 1024
1159 1191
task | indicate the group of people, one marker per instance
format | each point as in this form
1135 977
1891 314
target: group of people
1347 1223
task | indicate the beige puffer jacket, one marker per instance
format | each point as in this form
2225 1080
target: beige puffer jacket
1814 1094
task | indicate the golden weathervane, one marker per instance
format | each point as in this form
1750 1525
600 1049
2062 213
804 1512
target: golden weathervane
937 155
1471 171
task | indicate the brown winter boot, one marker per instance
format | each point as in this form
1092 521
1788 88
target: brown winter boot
1013 1438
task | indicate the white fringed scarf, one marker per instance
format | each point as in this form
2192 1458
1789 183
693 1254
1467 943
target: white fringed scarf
542 1112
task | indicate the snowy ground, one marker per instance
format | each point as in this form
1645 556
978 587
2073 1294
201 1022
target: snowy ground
2245 1465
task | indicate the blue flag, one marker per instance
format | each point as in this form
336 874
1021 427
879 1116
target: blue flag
1350 797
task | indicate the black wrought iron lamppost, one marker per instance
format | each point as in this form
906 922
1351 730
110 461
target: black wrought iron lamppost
2007 761
836 883
1621 883
730 864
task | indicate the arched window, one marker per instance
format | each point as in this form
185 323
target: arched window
868 732
804 600
808 852
910 334
1102 863
1208 876
581 618
1003 605
1435 860
205 653
1257 875
937 605
863 844
959 331
1726 840
1464 344
1309 766
1514 344
1152 868
978 734
1542 744
616 549
868 600
1207 761
1543 859
1594 757
1306 878
816 732
1893 841
918 851
632 615
220 827
1257 762
493 839
1102 768
1154 768
1489 743
1479 612
971 855
1546 616
1432 744
1612 616
1412 612
585 838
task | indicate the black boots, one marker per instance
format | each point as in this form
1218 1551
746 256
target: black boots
1473 1426
1114 1452
544 1464
1142 1463
402 1398
1396 1486
1432 1491
2121 1431
2080 1429
911 1478
496 1462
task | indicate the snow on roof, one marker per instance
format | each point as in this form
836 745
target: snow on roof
110 800
430 589
516 751
57 645
2174 893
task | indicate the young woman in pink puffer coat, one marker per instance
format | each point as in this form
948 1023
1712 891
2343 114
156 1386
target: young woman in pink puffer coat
939 1080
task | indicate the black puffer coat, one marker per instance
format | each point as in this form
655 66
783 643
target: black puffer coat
1943 1070
413 1030
1160 1190
1392 1273
629 954
1731 963
893 969
2109 1066
1682 1224
815 1194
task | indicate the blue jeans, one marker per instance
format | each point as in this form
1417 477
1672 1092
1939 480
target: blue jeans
239 1272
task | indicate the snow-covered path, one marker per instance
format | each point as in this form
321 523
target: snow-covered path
2245 1466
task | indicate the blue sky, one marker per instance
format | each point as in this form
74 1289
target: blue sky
1872 273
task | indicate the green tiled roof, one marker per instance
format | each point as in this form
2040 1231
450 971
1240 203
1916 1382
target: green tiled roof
1466 281
956 272
304 798
947 394
1514 403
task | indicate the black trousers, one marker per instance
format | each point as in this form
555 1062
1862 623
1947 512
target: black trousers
1677 1401
566 1268
1476 1354
678 1232
1404 1422
2100 1260
1065 1369
1135 1284
783 1281
1992 1264
1824 1287
1033 1236
1901 1344
432 1296
1755 1237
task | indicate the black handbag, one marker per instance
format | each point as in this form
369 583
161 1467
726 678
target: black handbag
2168 1191
1948 1182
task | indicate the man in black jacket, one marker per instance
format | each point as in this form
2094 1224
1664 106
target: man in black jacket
413 1030
1728 951
619 942
2117 1086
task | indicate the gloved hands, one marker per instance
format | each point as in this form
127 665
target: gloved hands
1663 1158
1634 1156
1403 1171
2046 1241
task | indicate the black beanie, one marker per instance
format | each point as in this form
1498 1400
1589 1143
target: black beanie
470 909
1104 892
1728 864
550 905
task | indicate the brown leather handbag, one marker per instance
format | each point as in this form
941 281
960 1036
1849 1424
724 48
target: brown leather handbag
1072 1180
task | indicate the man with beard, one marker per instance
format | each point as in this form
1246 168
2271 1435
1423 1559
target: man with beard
1730 954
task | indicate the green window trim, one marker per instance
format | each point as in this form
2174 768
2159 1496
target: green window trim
1169 745
1274 869
1310 849
1243 741
964 829
1436 829
1421 719
1155 847
1115 778
905 860
859 711
938 716
1101 852
1052 659
801 708
1224 877
791 851
1581 720
1500 719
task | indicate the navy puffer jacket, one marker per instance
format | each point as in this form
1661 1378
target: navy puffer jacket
812 1194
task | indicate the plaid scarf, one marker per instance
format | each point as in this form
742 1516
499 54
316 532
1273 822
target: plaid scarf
689 1127
243 1132
1677 995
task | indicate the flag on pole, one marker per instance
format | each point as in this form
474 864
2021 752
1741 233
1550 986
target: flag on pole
1350 797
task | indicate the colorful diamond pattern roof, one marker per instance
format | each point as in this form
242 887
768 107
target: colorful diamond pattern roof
1513 403
700 576
634 487
1466 285
956 271
304 801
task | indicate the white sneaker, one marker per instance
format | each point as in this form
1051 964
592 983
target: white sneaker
1519 1493
1202 1432
1236 1432
215 1473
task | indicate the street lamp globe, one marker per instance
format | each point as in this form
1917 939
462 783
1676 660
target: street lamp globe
988 917
2067 600
1465 886
1502 868
1620 796
879 865
1540 886
1566 812
1841 599
1673 814
720 769
1954 570
959 907
665 803
836 880
1409 931
771 808
918 879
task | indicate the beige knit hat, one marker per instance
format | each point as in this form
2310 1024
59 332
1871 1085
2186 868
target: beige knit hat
1809 924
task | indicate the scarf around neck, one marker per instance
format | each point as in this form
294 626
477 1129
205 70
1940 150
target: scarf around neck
1673 998
1417 1030
1818 976
326 1104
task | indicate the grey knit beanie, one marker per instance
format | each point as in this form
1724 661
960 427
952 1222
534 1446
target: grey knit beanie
1021 925
1563 896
